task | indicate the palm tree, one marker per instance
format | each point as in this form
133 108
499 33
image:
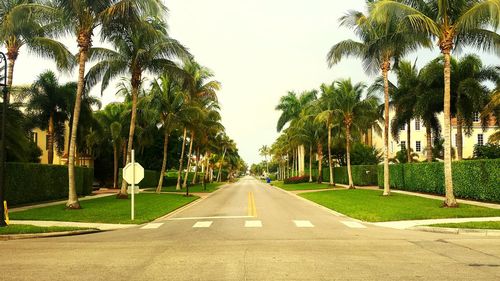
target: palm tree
21 25
290 107
81 18
454 24
141 46
172 104
47 107
382 44
264 151
354 112
111 119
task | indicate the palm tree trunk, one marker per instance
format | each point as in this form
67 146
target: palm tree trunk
302 156
115 165
178 186
287 165
330 155
385 70
72 196
124 154
196 165
408 142
310 162
428 135
50 139
320 160
184 185
164 163
135 90
12 53
459 137
219 175
348 148
450 200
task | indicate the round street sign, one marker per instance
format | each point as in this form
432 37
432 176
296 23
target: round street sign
128 171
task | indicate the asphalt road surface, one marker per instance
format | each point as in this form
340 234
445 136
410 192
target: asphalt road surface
251 231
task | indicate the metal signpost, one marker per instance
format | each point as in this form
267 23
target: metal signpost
133 173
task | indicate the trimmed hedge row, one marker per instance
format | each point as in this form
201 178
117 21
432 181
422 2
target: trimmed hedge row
30 183
151 178
473 179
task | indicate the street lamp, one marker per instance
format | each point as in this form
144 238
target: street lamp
5 90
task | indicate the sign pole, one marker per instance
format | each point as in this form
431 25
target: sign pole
133 182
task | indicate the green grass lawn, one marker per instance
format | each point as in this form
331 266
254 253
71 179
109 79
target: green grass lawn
370 205
300 186
25 229
210 187
148 206
473 225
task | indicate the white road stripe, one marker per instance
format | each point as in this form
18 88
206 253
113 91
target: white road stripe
303 223
208 218
254 223
202 224
152 225
353 224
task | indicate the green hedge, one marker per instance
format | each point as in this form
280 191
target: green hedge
474 179
151 178
30 183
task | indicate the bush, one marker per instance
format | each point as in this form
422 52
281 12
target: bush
487 151
30 183
361 175
295 180
476 179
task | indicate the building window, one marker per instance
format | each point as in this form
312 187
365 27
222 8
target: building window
403 145
476 117
417 124
418 146
403 127
480 139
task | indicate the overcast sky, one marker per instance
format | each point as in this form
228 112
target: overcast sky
259 50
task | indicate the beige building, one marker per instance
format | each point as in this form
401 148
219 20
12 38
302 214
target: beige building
40 138
419 138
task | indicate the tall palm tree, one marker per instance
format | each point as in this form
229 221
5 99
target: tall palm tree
381 44
326 116
81 18
354 112
264 151
22 24
142 46
454 24
171 103
47 106
290 107
111 119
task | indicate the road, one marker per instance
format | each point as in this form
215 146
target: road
251 231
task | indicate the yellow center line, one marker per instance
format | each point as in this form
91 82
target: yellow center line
252 209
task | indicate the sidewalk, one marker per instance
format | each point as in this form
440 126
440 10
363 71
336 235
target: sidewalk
413 223
88 197
100 226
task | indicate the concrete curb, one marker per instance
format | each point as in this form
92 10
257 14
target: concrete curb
464 231
6 237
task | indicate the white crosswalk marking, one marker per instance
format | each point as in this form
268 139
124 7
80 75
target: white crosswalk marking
202 224
152 225
353 224
254 223
303 223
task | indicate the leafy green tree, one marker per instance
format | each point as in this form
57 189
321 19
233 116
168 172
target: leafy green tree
81 18
140 46
48 108
353 112
381 44
454 24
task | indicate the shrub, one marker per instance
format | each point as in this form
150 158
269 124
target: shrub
295 180
361 175
476 179
487 151
30 183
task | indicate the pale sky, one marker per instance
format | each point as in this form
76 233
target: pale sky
259 50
